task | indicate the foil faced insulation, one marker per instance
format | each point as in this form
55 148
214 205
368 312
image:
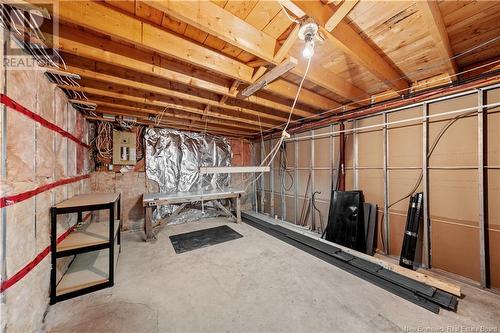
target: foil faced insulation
174 158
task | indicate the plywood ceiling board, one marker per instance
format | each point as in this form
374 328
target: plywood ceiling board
240 9
278 25
263 12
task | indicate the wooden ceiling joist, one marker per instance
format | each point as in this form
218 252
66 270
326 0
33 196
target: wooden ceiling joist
136 84
181 125
270 76
172 118
105 107
107 93
342 10
220 23
283 51
259 73
103 19
223 25
81 44
434 22
194 58
106 20
347 39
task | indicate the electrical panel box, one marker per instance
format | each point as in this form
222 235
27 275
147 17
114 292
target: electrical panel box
124 148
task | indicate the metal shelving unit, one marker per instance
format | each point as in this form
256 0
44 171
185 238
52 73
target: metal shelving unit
95 245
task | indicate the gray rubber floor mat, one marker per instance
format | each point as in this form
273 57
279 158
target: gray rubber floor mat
202 238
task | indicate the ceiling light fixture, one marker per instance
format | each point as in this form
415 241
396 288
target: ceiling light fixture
307 32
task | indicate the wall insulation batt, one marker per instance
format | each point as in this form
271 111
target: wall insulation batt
35 156
386 162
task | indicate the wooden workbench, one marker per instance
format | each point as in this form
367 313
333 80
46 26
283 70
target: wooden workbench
151 200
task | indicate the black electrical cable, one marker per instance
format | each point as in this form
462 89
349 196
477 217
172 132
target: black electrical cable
313 201
431 150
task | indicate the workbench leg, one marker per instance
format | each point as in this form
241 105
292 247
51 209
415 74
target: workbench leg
238 210
148 224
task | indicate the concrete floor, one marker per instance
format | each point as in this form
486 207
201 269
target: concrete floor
253 284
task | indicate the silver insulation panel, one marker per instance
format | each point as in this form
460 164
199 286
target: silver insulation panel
174 158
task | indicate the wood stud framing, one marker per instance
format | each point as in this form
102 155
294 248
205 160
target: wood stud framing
235 46
152 38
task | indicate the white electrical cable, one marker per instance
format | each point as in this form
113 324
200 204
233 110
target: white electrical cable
103 140
357 101
396 122
366 99
284 134
286 13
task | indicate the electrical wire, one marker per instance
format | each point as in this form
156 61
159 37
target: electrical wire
429 153
159 117
362 99
284 171
313 199
126 124
284 134
421 175
286 13
103 141
396 122
139 138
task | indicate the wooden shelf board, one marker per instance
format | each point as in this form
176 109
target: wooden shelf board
88 234
89 200
87 269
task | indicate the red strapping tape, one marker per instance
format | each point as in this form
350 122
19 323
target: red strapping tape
33 263
12 199
42 121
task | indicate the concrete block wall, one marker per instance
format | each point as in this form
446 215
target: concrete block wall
132 185
35 156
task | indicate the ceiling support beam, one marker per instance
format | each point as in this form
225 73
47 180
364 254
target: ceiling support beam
187 124
270 76
434 21
147 101
119 109
81 44
101 18
349 41
168 124
232 91
220 23
112 79
258 73
223 25
282 53
342 10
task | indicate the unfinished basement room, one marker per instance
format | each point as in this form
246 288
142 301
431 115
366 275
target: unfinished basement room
249 166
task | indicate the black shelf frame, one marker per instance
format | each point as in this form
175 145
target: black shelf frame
54 212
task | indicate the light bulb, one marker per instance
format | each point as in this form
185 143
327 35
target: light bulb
308 51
